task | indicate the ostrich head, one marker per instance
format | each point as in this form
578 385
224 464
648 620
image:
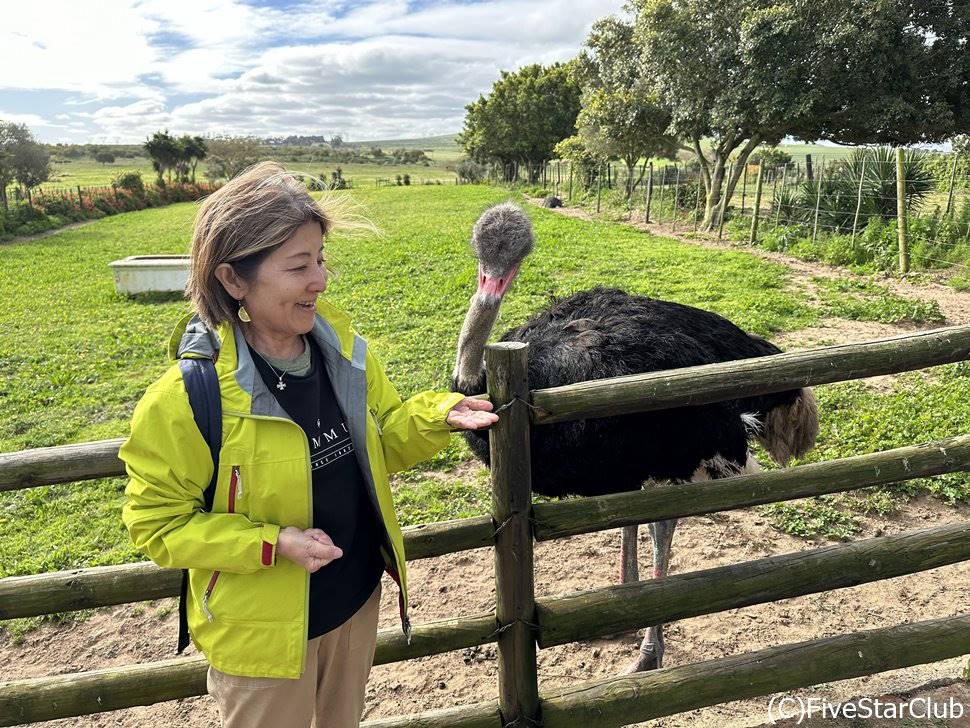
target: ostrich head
501 238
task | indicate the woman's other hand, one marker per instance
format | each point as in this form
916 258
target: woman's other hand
471 414
312 549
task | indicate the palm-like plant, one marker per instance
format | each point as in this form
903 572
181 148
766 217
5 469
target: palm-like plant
877 169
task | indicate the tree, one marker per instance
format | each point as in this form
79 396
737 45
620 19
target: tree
524 116
228 156
104 158
12 136
582 159
620 116
771 158
31 163
164 151
192 150
740 73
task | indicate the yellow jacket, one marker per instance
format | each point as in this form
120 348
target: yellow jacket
247 612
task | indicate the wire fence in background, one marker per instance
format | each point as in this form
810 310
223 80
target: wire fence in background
845 205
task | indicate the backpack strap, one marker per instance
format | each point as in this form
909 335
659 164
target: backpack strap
202 386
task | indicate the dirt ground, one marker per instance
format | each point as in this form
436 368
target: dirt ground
462 585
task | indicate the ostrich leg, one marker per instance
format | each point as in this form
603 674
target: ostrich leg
652 647
629 571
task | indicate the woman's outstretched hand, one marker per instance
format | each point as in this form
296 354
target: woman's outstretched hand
471 414
312 549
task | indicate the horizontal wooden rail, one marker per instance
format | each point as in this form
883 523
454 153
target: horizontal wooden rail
474 715
657 503
103 586
619 395
63 696
60 464
615 609
623 700
561 619
644 696
745 377
27 596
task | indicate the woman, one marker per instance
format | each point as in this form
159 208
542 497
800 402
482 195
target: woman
284 571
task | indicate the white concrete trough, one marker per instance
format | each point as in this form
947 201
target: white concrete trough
151 274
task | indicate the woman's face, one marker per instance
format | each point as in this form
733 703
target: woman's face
281 299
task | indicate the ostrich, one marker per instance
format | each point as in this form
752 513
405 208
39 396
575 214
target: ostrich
605 332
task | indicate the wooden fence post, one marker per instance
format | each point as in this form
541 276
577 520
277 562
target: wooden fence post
646 212
774 190
858 202
599 188
901 213
744 188
660 202
673 214
784 179
818 201
506 365
756 210
953 177
570 181
724 201
697 202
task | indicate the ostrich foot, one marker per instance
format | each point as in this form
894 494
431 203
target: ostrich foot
651 655
648 659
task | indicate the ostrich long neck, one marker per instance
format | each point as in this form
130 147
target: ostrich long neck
469 372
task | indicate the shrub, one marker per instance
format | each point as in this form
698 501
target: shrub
337 181
406 179
130 181
470 171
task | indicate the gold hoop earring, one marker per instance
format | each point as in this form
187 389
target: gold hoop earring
243 314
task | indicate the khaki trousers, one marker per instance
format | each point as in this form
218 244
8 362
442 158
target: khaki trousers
329 694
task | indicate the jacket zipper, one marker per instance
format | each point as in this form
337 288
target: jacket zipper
377 423
235 490
309 487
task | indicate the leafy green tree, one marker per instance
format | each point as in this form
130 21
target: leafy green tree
740 73
523 117
164 151
228 156
31 164
192 150
620 116
584 161
12 136
771 158
104 158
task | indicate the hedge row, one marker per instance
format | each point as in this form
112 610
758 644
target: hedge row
51 210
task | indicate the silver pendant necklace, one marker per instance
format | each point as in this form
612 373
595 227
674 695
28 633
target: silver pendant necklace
280 385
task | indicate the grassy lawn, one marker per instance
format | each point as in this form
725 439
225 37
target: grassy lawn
88 173
75 356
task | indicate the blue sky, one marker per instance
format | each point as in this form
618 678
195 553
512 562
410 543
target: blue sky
114 71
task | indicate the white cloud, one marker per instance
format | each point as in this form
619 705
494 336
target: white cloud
389 71
31 120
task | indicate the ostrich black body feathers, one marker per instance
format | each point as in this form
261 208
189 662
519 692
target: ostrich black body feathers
605 332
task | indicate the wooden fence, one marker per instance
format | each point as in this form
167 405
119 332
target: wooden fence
521 623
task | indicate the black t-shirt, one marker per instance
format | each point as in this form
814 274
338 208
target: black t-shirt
341 505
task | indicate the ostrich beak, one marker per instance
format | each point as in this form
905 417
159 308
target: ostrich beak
492 288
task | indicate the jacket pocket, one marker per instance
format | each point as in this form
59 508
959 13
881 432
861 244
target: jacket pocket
235 490
377 424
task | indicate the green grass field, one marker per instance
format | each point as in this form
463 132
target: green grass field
75 356
88 173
